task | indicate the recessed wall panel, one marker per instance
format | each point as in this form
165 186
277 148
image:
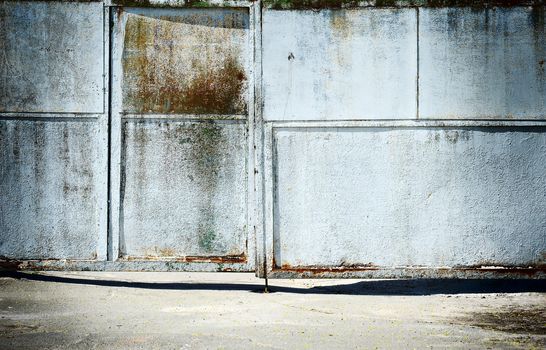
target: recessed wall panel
52 189
185 61
183 188
409 197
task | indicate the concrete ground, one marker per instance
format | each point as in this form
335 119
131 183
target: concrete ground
92 310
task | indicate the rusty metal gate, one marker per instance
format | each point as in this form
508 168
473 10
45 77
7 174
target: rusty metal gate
291 138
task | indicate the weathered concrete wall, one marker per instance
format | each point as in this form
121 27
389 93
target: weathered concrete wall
409 196
184 189
53 132
482 64
51 57
52 189
335 135
332 64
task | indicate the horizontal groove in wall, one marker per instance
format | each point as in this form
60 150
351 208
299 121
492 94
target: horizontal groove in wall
183 116
403 123
53 118
318 5
183 120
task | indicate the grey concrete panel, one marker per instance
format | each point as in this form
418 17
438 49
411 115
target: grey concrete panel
426 197
51 57
185 61
183 189
482 64
52 189
340 64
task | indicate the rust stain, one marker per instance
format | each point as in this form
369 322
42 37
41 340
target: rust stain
228 259
225 259
217 91
156 79
9 264
167 252
479 268
327 269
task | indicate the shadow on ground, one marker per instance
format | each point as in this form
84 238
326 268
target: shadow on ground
368 287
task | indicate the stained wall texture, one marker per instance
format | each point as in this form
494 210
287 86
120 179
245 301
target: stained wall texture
482 64
183 100
185 61
340 64
415 196
52 191
184 189
53 131
51 57
273 136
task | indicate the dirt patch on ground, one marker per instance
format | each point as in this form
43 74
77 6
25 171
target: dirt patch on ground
512 320
526 326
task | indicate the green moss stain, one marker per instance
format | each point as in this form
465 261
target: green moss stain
204 143
207 237
310 4
199 4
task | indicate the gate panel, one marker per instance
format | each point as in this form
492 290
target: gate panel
182 78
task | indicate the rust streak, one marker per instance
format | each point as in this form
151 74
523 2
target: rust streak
219 259
158 81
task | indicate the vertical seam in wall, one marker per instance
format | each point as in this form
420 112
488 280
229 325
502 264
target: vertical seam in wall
417 77
253 208
109 238
262 148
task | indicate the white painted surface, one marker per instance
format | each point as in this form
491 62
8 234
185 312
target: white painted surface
412 196
339 64
482 64
51 57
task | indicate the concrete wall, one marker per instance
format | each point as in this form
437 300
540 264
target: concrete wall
180 102
294 138
358 183
53 131
424 196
